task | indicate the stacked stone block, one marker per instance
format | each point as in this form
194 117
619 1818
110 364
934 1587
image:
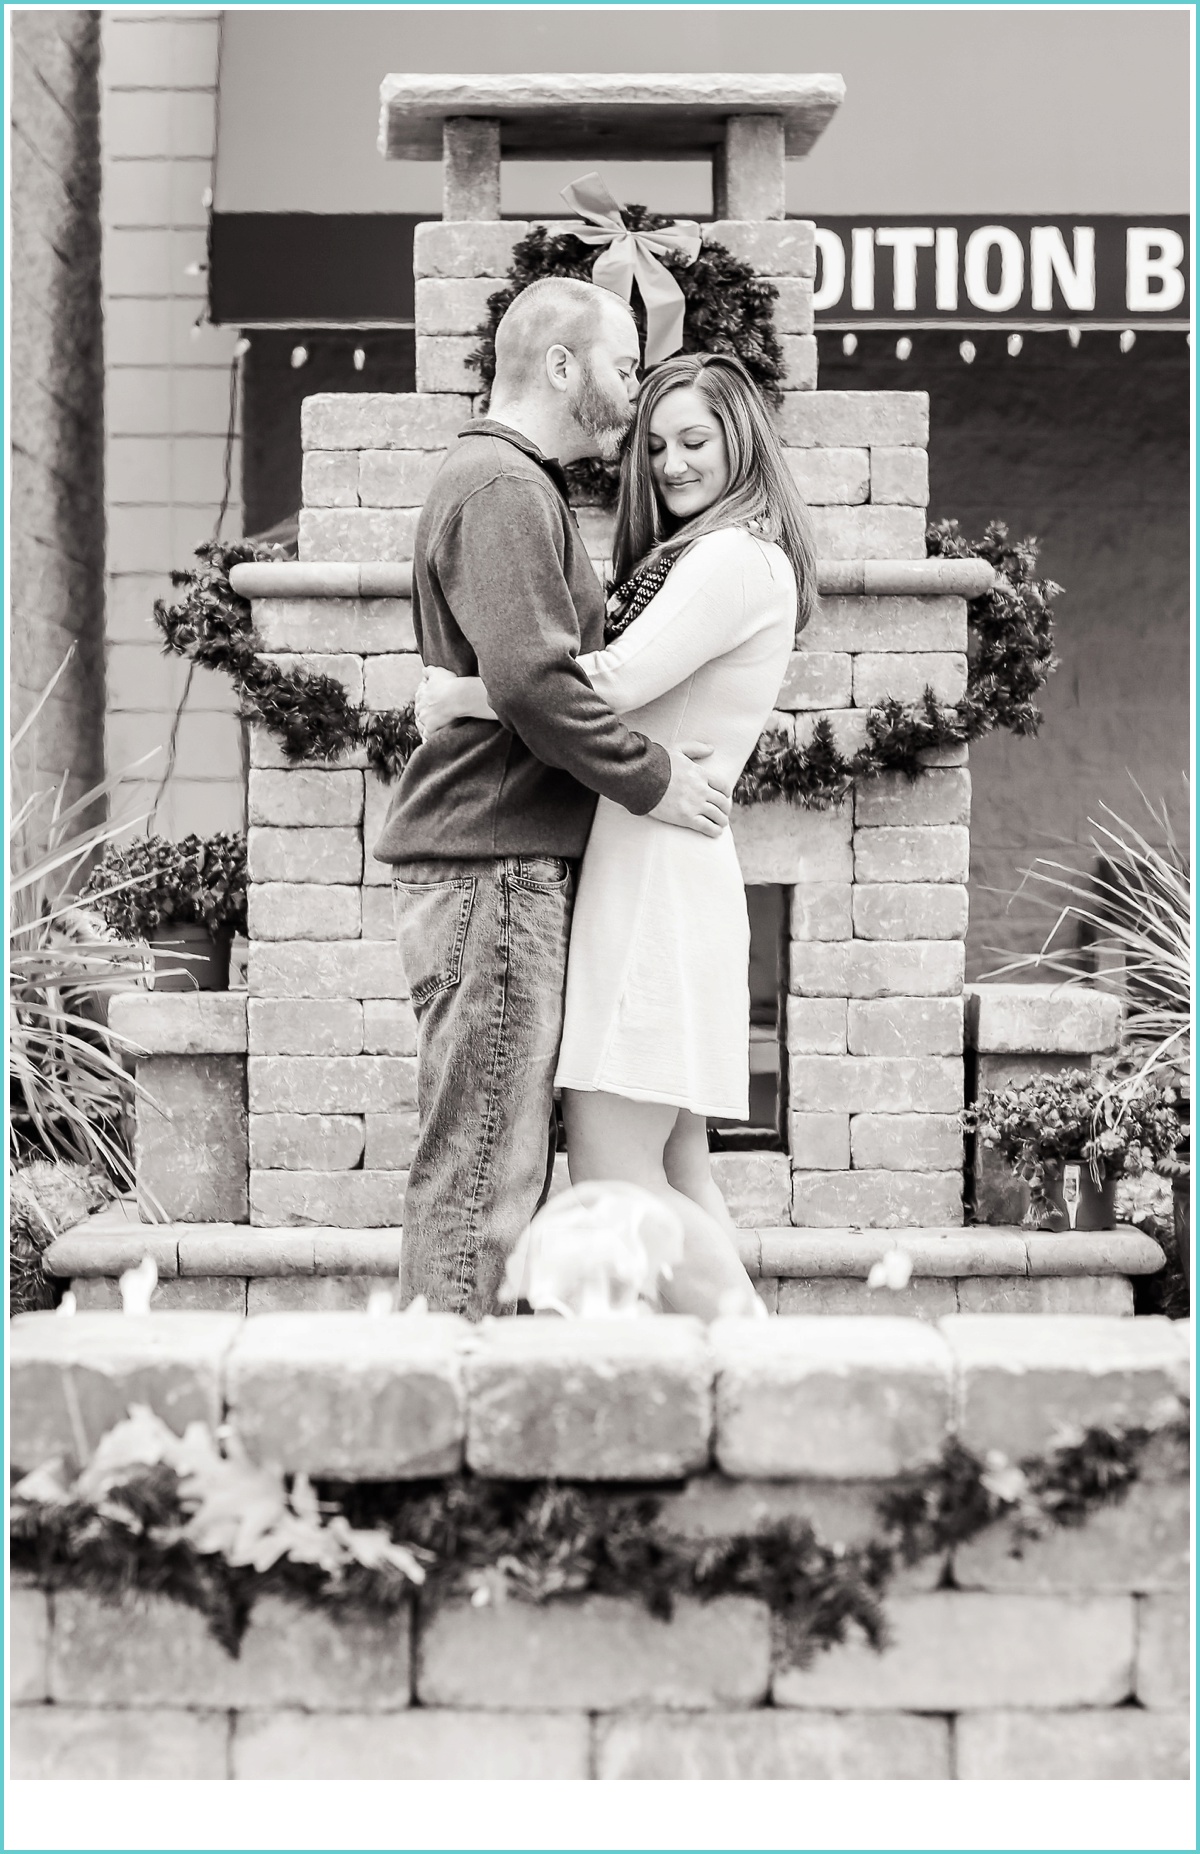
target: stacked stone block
331 1036
1069 1661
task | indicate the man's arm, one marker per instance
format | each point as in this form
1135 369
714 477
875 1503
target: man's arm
500 567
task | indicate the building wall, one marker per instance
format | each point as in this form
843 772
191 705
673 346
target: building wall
167 385
1088 449
1095 119
56 527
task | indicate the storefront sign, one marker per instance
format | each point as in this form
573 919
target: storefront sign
1102 271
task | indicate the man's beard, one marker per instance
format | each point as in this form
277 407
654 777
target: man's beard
605 419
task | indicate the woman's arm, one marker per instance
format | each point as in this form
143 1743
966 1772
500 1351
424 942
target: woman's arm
721 590
443 697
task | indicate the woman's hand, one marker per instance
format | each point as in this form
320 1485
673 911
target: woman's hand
443 697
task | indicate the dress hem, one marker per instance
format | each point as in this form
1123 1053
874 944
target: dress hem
721 1112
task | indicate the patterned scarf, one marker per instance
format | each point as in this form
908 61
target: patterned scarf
628 600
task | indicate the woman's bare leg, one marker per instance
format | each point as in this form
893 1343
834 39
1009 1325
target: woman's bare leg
687 1167
611 1137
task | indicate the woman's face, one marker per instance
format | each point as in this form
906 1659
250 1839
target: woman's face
689 458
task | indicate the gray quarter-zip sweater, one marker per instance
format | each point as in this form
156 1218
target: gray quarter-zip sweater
503 589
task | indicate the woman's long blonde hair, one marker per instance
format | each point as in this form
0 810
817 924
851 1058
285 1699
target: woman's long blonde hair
760 490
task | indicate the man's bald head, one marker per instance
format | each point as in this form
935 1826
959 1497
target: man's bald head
555 310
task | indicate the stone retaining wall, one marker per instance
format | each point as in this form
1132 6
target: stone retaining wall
1068 1662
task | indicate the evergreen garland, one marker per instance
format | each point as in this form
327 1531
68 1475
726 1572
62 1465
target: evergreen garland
495 1541
309 714
728 309
1011 656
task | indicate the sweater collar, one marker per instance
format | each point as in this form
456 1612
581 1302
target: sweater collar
493 428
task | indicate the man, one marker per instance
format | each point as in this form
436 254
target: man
488 821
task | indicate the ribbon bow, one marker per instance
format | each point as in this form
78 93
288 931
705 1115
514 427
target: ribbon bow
633 256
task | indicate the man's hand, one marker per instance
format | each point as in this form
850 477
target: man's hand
692 800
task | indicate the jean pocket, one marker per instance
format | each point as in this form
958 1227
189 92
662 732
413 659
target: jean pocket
431 927
551 873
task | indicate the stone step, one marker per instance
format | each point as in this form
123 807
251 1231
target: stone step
984 1269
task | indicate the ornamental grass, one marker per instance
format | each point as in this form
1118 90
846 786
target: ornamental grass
71 1090
1134 916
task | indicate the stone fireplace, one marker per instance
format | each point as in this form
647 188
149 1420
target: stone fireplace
870 1012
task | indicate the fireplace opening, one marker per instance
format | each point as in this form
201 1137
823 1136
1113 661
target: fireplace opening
766 1130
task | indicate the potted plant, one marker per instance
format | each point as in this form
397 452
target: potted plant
1071 1136
185 899
1133 915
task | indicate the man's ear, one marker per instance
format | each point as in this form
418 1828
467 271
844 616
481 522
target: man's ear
558 364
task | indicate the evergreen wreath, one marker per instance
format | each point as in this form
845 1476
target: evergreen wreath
728 309
1011 657
155 1513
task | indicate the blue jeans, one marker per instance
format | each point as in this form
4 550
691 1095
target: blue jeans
484 946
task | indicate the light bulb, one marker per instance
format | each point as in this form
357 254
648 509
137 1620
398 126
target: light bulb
1074 337
299 356
1015 344
849 344
360 359
903 348
1127 339
967 350
206 197
241 346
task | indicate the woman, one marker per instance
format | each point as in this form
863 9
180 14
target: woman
717 575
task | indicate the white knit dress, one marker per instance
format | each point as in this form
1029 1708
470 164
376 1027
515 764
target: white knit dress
657 1000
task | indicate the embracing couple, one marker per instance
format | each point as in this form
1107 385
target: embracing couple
570 909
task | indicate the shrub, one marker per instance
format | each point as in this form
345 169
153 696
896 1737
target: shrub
1042 1125
144 884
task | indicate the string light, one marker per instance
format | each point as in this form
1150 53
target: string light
360 359
1015 344
1074 337
903 348
967 350
241 346
1127 339
206 198
849 344
299 356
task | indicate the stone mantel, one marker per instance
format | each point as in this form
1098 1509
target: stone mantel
381 579
612 115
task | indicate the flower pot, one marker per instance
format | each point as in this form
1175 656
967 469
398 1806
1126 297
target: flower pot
189 958
1181 1199
1081 1204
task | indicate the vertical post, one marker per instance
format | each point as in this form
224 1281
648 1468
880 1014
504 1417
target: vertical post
470 168
748 169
